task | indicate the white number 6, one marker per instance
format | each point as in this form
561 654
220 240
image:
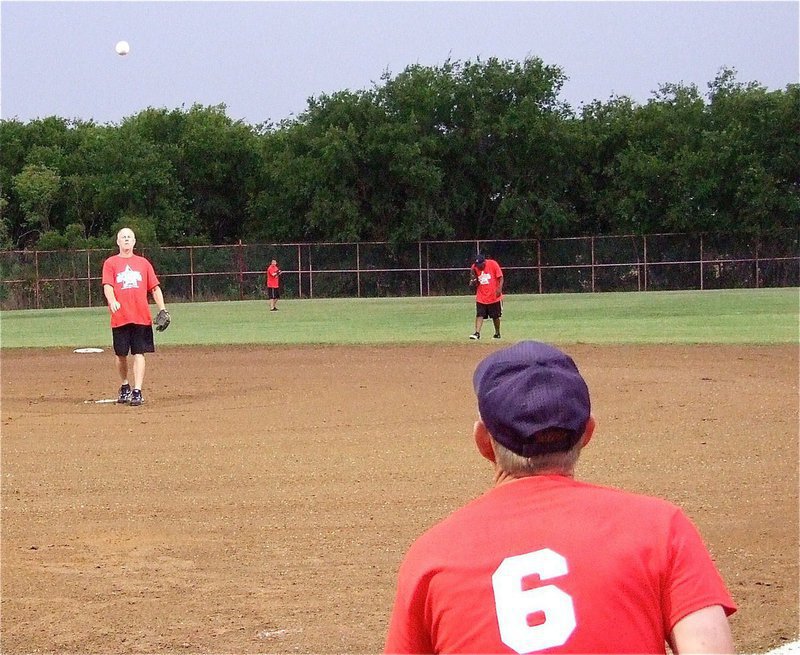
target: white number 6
514 604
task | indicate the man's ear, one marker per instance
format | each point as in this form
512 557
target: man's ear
483 440
588 431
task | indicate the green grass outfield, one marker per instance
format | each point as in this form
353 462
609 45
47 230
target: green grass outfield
757 316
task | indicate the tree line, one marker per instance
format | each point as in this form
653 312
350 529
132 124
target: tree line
465 150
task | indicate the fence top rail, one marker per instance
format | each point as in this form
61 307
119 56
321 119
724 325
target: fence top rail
306 244
431 269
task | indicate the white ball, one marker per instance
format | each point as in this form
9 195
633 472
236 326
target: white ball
122 48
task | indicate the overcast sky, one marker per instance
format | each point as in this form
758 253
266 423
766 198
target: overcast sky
263 60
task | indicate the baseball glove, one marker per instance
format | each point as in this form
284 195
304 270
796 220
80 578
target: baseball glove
162 320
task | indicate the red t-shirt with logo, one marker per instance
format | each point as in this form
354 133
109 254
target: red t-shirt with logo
550 564
272 276
132 278
486 292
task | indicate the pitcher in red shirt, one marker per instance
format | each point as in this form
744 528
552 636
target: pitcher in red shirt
127 280
487 277
543 563
273 278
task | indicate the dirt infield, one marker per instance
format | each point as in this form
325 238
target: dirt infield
262 498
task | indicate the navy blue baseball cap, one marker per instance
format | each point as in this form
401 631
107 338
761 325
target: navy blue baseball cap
480 261
527 388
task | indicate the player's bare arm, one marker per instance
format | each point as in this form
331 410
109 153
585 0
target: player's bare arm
704 631
158 297
111 299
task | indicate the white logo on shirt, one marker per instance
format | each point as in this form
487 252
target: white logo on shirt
484 278
129 278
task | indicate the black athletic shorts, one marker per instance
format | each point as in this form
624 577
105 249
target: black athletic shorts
133 339
492 310
273 293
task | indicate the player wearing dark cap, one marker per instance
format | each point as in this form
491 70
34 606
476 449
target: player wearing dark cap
544 563
486 277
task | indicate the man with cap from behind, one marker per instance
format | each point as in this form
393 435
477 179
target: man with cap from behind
486 277
544 563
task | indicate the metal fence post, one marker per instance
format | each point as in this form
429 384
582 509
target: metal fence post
638 263
758 266
36 281
89 277
701 262
539 262
419 264
240 266
644 254
358 271
299 271
191 272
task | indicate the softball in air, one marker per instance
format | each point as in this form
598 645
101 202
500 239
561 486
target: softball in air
122 48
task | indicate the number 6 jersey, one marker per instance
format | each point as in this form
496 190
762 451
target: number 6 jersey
550 564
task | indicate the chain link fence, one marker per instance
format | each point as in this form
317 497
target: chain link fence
49 279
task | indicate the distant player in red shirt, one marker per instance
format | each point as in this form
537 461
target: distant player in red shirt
542 563
487 277
127 279
273 285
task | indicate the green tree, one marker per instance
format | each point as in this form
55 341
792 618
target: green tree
36 187
6 243
218 157
315 178
115 170
494 134
755 154
37 143
474 149
433 153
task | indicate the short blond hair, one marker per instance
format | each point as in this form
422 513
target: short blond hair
560 462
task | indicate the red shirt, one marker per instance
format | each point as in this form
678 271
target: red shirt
486 292
550 564
132 278
273 276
